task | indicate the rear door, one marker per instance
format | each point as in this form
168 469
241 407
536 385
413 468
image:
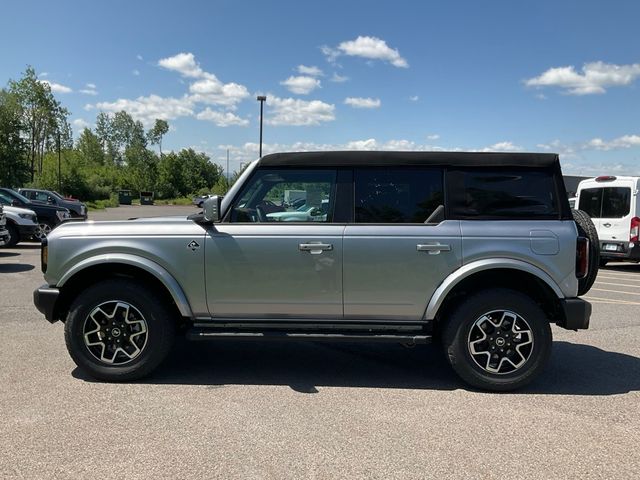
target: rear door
615 219
393 260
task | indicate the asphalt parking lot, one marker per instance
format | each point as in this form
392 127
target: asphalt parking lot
250 410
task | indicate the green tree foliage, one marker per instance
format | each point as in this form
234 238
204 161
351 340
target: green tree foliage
14 170
185 173
159 130
44 120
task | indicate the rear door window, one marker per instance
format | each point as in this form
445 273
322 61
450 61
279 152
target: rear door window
606 202
397 195
502 194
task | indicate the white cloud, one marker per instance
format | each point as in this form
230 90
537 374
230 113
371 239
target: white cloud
293 111
594 78
502 147
57 87
338 78
623 142
147 109
301 85
183 63
312 70
212 91
221 119
135 72
139 57
372 48
414 98
359 102
80 123
89 90
433 136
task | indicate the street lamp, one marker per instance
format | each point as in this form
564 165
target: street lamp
59 165
261 99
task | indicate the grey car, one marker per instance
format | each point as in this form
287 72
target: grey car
478 252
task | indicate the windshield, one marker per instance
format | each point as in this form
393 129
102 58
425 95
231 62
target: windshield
16 195
57 195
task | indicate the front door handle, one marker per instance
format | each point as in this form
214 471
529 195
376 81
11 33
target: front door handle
315 248
433 248
607 224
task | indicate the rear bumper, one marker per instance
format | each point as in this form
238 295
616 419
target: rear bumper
577 313
623 253
45 298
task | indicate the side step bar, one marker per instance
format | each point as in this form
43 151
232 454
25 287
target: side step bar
208 334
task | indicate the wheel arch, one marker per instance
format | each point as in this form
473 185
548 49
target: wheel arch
498 273
98 268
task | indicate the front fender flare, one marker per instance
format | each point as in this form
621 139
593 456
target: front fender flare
145 264
466 271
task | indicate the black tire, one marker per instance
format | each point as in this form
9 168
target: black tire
462 329
14 236
160 330
586 228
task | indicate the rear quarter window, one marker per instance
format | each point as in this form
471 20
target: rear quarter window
606 202
507 194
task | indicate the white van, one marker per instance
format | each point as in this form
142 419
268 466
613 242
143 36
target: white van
613 204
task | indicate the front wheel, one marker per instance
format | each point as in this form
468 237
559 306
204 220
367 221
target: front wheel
42 230
117 330
497 340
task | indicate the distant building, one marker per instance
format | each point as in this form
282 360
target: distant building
571 184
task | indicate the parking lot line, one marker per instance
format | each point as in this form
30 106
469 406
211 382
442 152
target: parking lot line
607 273
617 284
609 300
615 291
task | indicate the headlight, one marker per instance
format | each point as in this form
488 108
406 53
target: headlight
62 215
44 255
27 216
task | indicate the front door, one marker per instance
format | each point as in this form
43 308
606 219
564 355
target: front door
278 254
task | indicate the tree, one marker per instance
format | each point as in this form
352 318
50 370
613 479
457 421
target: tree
14 170
90 148
43 120
159 130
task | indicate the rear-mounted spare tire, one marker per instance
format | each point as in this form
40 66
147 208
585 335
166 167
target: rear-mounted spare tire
587 229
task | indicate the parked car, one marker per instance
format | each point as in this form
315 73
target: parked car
21 224
49 216
4 233
76 208
613 204
199 200
477 251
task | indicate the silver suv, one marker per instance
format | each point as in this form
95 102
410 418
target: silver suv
477 251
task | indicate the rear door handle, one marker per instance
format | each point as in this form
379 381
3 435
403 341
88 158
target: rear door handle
607 224
433 248
315 248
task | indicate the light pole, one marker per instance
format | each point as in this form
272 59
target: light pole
261 99
59 165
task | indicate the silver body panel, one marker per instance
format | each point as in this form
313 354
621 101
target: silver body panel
259 270
387 276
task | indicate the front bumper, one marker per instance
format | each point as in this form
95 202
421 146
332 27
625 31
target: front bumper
576 314
27 231
45 298
4 237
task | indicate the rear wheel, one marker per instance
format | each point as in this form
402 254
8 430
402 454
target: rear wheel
117 330
497 340
587 229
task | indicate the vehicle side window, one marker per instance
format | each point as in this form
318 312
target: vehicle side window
591 201
397 195
502 194
616 202
40 196
287 195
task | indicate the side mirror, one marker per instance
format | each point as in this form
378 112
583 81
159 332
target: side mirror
15 203
211 209
50 200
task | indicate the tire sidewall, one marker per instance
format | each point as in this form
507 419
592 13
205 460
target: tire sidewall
159 329
457 334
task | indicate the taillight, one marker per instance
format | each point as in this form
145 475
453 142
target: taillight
44 255
635 229
582 257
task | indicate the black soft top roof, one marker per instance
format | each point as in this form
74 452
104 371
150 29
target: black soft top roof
380 158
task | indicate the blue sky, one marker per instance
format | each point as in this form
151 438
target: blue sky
471 75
